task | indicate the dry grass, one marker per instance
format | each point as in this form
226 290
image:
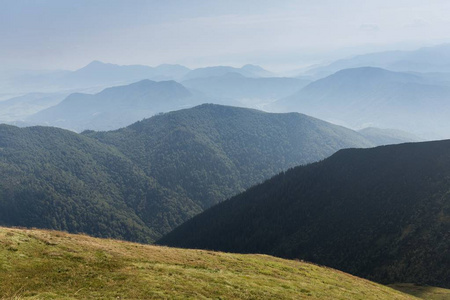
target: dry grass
40 264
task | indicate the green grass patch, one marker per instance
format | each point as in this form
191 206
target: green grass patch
57 265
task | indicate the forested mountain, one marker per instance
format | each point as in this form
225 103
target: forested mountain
211 152
53 178
117 106
380 213
142 181
244 90
373 97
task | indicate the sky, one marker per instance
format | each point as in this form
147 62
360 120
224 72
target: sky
279 35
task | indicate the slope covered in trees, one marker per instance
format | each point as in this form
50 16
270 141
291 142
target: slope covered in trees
381 213
211 152
142 181
53 178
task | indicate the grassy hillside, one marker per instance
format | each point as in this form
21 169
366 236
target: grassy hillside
40 264
423 291
380 213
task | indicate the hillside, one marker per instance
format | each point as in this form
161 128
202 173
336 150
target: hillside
115 107
56 265
211 152
140 182
373 97
380 213
53 178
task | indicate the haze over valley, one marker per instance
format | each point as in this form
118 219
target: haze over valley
224 149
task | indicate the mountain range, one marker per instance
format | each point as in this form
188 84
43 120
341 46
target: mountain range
95 74
381 213
98 74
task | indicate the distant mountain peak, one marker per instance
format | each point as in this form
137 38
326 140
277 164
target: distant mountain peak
96 62
252 67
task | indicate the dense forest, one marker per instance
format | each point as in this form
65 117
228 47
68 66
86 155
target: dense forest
142 181
211 152
380 213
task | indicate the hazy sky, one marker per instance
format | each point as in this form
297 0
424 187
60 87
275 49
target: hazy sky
63 34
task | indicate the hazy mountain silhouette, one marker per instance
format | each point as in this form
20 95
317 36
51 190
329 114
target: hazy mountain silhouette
374 97
246 91
428 59
117 106
95 74
247 71
18 108
388 136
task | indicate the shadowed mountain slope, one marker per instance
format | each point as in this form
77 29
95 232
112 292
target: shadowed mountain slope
380 213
